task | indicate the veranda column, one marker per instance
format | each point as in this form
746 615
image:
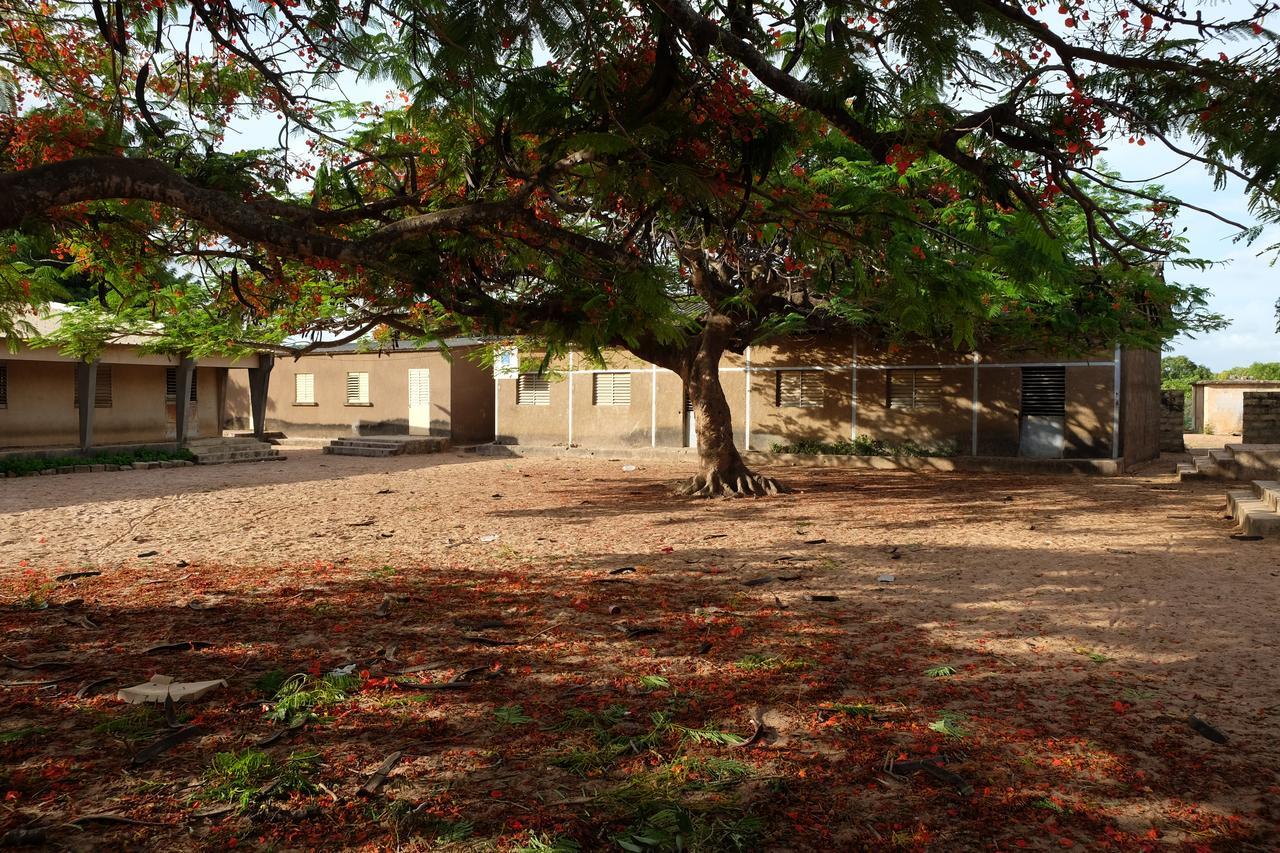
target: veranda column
86 393
185 375
259 377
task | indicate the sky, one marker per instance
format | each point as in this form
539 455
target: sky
1243 283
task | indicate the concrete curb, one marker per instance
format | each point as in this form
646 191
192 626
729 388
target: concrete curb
97 468
959 464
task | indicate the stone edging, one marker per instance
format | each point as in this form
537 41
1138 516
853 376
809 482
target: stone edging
95 468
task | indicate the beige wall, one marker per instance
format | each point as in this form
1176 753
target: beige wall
1219 405
659 420
1223 410
41 405
1091 411
331 415
470 401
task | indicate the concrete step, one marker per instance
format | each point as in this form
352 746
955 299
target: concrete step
1216 464
389 445
1200 468
1268 491
1255 509
341 450
223 458
302 441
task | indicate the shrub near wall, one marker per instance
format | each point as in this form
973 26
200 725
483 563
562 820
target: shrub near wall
24 465
864 446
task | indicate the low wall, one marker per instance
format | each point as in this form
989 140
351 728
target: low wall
1261 418
964 464
1172 421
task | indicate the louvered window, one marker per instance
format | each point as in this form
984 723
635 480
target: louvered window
611 389
1044 390
171 384
357 389
4 386
799 389
533 390
419 388
102 393
915 390
304 389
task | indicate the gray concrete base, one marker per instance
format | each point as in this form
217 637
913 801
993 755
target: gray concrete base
968 464
72 450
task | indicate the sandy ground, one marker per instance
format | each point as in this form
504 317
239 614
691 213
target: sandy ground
1038 571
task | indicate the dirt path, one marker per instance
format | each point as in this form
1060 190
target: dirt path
1084 617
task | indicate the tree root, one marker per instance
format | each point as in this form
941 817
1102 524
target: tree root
738 484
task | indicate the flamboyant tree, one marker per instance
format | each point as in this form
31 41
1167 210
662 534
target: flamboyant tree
674 176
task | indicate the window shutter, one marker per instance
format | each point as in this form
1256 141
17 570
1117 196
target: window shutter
304 388
533 390
928 392
800 388
915 390
171 383
1044 390
4 386
419 388
102 394
790 388
611 389
357 389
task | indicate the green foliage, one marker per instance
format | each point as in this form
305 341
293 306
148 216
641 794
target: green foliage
950 723
1266 370
512 715
757 662
607 744
866 446
133 724
300 696
270 682
853 710
1177 372
940 671
540 843
21 734
654 682
244 778
30 464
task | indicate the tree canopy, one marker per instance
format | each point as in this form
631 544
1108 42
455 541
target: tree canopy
1177 373
626 172
526 151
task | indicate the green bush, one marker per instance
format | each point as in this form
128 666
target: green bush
29 464
866 446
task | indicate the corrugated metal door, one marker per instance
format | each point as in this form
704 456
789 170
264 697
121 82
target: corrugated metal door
1043 427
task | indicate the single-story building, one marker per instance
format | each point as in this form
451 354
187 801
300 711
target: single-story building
403 390
840 389
1218 404
135 395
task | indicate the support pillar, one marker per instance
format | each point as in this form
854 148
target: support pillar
185 375
86 393
259 377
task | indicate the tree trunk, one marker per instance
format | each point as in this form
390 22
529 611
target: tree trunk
723 473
